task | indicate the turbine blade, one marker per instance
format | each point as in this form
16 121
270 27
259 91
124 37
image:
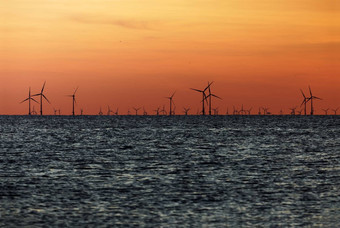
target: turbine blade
34 100
75 91
216 96
310 91
42 90
303 93
201 91
24 100
46 99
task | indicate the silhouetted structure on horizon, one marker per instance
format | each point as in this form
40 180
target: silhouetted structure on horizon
41 94
73 100
29 98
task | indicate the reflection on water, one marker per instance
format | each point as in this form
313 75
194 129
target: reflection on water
170 171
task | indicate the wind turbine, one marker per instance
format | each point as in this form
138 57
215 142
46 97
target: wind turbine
293 111
171 102
311 101
109 111
163 111
215 111
34 112
73 100
304 102
211 95
157 111
116 113
326 111
100 111
145 113
335 110
136 109
186 110
204 97
41 94
29 98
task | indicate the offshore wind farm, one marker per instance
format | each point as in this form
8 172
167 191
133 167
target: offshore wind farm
206 102
172 113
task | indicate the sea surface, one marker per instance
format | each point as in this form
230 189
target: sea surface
161 171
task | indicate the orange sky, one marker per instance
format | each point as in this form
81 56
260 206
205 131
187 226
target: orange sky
126 53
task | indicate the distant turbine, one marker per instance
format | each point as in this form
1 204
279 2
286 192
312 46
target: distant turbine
109 111
186 110
311 101
335 111
171 102
136 109
41 94
29 98
157 111
100 111
304 102
145 113
293 111
73 100
211 95
34 112
326 111
204 96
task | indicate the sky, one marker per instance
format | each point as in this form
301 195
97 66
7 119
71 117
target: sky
134 53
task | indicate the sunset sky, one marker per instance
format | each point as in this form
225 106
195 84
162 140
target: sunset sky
134 53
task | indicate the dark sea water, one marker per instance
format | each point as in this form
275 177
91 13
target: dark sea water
180 171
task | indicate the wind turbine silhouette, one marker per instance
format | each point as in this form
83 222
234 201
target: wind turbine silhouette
145 113
116 113
34 112
109 111
163 111
326 111
186 110
204 96
304 102
335 111
136 109
293 111
29 98
157 111
311 101
211 95
100 111
41 94
73 100
171 102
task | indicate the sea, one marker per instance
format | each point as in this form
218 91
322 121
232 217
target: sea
170 171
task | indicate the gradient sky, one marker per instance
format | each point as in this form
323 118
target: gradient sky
126 53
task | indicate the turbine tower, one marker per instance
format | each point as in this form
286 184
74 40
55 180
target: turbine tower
204 96
311 101
73 100
171 102
41 94
29 98
211 95
304 102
